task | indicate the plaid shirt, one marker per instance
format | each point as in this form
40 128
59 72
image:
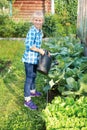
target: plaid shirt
34 38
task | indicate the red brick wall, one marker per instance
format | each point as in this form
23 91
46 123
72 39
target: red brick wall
24 8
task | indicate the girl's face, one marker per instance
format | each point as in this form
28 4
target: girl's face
38 22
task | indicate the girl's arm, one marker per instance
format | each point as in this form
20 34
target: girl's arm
34 48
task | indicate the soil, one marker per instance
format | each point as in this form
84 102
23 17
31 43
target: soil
52 94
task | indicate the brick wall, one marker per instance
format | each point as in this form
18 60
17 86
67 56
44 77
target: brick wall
24 8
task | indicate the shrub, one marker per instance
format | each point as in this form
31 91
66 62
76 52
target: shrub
49 26
67 10
6 28
57 26
54 25
21 29
9 28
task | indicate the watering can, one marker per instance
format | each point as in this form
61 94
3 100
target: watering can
44 63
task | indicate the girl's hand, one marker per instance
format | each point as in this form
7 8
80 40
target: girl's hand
41 51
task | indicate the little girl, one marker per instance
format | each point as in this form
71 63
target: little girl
30 58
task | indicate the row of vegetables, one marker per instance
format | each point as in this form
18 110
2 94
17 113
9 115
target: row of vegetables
68 111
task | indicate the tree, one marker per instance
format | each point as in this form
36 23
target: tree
82 23
4 4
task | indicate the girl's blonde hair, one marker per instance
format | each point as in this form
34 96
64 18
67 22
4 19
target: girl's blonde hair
37 14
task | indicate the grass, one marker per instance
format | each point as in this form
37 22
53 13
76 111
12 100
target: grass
13 114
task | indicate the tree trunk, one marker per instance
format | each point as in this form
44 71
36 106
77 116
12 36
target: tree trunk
82 23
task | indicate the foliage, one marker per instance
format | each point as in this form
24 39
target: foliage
66 10
3 3
6 28
66 113
21 29
49 26
62 23
9 28
67 75
13 114
53 26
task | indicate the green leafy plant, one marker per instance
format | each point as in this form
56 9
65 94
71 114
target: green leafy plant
72 65
66 113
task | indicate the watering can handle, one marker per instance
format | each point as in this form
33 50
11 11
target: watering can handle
46 52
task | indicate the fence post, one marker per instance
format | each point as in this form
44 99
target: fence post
82 23
10 7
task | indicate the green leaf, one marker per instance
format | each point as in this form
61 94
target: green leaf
71 83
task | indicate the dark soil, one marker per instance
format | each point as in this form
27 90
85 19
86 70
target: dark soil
52 94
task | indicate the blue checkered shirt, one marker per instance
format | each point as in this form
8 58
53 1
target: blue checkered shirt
33 38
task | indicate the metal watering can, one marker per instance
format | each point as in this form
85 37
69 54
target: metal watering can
45 62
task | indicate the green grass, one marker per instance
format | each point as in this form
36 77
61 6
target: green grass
13 114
